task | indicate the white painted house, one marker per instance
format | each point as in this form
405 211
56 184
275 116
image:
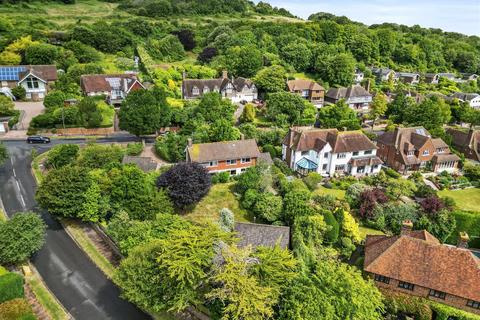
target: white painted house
36 79
330 152
473 99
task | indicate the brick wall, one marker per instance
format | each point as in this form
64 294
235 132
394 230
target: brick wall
454 301
222 165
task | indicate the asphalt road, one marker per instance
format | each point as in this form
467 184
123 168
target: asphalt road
77 283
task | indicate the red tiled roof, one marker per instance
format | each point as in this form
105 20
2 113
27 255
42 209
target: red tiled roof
419 258
303 84
101 83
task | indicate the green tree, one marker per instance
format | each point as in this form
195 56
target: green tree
400 187
243 61
20 237
338 116
3 153
95 156
397 108
378 107
70 192
271 79
144 112
334 228
223 130
290 107
212 107
54 99
298 55
296 204
308 234
41 53
248 114
268 207
6 106
432 114
62 155
337 69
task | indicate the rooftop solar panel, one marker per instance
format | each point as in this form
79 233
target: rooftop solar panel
11 73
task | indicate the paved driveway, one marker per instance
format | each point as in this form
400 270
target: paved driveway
31 109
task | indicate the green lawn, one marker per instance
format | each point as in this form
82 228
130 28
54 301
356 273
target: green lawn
467 199
108 114
364 231
219 197
339 194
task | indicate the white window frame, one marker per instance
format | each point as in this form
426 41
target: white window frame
246 160
32 83
229 162
195 91
341 155
368 152
426 152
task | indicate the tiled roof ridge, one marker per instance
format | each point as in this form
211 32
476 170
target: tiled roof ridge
263 225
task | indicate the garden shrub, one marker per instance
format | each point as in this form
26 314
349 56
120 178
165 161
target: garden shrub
312 180
284 168
19 92
62 155
3 270
331 236
396 302
134 149
392 173
16 309
221 177
11 287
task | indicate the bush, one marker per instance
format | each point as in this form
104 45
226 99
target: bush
284 168
16 309
171 147
54 99
268 207
392 173
221 177
19 92
312 180
134 149
62 155
11 287
95 156
331 236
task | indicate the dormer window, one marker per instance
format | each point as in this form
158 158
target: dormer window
195 91
216 89
368 152
426 152
473 304
410 153
206 89
440 150
437 294
406 285
381 278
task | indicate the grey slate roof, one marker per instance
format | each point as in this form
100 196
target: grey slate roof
465 96
144 163
256 234
346 93
266 157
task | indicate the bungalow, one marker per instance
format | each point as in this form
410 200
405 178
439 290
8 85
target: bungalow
467 143
407 149
36 79
355 96
408 77
449 76
469 77
416 263
228 156
115 87
383 74
236 89
330 152
432 78
473 99
309 90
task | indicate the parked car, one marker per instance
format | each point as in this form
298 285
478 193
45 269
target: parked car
38 139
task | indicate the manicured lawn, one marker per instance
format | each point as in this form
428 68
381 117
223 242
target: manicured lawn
364 231
339 194
108 114
466 199
219 197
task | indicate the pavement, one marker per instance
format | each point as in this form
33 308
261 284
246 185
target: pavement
84 290
30 109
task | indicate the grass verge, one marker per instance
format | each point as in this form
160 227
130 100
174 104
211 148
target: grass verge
75 230
339 194
45 297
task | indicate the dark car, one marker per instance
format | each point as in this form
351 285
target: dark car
38 139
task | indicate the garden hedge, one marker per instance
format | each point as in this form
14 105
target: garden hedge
11 287
16 309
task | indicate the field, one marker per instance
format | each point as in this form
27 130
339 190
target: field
219 197
467 199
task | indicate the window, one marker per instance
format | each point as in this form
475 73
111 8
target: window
440 150
355 153
368 152
406 285
341 156
383 279
231 162
305 153
361 169
426 152
340 167
205 90
32 83
233 172
246 160
210 164
243 170
437 294
195 91
473 304
410 153
325 155
324 167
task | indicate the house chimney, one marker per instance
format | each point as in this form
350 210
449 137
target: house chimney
242 136
224 74
463 239
396 134
407 226
469 137
189 142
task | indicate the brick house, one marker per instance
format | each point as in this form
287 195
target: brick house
410 149
355 96
236 89
330 152
228 156
467 143
416 263
115 87
309 90
35 79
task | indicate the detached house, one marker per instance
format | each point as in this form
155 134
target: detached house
467 143
229 156
432 78
416 263
355 96
330 152
115 87
408 77
473 99
36 79
309 90
449 76
469 77
236 89
383 74
410 149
